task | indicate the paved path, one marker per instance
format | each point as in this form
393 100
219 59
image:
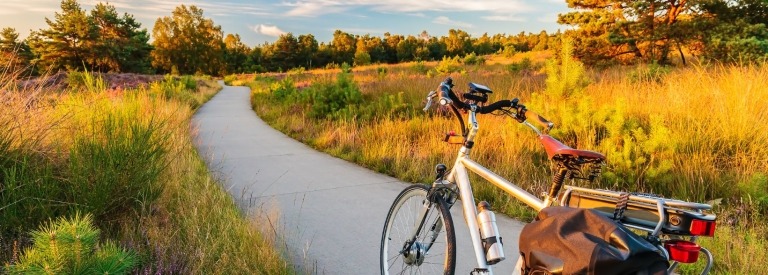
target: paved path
331 212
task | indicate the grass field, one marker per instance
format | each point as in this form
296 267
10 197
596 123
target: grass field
694 133
125 157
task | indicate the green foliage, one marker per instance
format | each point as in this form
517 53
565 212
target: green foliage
85 81
334 100
70 246
381 71
182 89
114 168
565 75
650 73
523 65
756 188
473 59
188 42
448 65
362 58
15 55
102 41
420 68
229 79
508 51
283 90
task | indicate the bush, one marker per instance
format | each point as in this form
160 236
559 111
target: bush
524 65
114 167
449 65
420 67
70 246
473 59
334 100
283 90
362 58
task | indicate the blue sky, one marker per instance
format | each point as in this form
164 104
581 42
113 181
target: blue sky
259 21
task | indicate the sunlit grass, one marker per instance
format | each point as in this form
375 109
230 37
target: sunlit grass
126 157
695 133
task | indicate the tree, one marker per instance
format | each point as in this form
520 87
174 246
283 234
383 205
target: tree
483 45
343 46
406 49
733 31
236 55
285 52
69 42
307 49
458 42
187 43
612 28
15 55
120 45
390 46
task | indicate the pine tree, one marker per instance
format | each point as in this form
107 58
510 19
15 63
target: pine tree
121 45
15 55
69 42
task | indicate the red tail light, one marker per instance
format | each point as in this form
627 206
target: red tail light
702 228
683 251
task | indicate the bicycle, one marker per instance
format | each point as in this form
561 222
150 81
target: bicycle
419 235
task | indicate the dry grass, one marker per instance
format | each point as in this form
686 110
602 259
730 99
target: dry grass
82 149
692 133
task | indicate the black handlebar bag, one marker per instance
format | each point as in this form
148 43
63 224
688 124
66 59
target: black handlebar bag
566 240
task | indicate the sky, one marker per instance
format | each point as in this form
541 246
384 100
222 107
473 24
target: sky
259 21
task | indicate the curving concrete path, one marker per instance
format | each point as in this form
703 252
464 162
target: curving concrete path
328 212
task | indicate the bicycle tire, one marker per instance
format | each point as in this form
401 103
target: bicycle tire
400 221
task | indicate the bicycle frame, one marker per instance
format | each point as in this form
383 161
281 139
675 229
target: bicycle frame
460 177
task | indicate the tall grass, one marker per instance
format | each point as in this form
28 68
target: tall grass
696 133
125 157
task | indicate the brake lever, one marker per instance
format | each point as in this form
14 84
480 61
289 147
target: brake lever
429 99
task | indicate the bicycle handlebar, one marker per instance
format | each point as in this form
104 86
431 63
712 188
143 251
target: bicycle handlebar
448 97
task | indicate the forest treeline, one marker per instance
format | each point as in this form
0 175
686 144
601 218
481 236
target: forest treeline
186 42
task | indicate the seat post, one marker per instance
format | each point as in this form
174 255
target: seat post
557 181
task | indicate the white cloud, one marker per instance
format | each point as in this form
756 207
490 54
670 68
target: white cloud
442 20
268 30
505 18
311 8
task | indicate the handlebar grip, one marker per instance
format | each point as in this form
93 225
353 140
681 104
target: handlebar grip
539 119
495 106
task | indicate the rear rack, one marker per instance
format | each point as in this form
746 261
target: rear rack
646 212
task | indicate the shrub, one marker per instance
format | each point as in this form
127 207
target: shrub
334 100
473 59
522 66
114 167
420 68
229 79
70 246
362 58
449 65
283 90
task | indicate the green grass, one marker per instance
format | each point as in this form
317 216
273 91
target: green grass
695 133
125 157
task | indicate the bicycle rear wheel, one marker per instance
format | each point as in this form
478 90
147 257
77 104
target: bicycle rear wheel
433 250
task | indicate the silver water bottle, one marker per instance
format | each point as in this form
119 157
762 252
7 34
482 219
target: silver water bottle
490 233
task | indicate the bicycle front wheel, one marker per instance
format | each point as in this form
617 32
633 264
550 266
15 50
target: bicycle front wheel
432 250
